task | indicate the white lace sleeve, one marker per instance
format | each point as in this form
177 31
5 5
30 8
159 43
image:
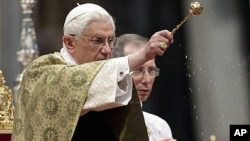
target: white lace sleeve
112 87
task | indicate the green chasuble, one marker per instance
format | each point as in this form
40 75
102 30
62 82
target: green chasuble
51 96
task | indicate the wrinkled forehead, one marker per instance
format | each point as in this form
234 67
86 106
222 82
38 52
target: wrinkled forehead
99 27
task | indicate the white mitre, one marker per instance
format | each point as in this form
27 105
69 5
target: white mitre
81 9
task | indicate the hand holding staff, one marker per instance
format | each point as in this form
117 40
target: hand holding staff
194 9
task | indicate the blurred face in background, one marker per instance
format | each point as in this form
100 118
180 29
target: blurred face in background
144 76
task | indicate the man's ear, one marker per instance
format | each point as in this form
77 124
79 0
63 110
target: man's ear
69 41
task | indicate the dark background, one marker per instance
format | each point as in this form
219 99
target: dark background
170 97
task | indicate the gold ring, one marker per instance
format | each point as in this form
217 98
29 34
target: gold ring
163 45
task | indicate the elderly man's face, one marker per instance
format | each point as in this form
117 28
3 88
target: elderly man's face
96 42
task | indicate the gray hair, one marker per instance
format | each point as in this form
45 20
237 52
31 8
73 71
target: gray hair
125 39
80 17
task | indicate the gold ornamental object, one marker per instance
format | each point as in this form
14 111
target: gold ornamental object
28 42
194 9
6 105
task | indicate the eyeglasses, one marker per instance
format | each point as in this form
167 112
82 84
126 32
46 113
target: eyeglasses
152 71
99 41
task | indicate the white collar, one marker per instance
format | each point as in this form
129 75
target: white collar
66 56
